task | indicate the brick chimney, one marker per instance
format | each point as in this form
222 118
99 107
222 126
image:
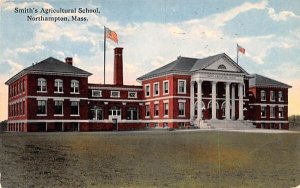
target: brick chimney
69 60
118 67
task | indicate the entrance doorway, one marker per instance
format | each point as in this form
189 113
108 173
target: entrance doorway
115 124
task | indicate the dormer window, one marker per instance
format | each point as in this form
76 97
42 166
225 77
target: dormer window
74 86
58 86
222 67
42 85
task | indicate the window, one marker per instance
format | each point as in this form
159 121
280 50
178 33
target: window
280 96
74 108
280 112
165 124
115 111
272 126
42 85
272 112
147 90
263 125
132 94
263 111
155 124
222 67
23 104
272 96
182 86
97 113
147 125
132 113
263 95
166 87
96 93
115 94
147 111
156 110
24 86
156 89
41 107
58 107
74 86
181 108
166 109
181 124
58 86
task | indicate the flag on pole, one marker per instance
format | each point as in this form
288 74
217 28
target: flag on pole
241 49
111 35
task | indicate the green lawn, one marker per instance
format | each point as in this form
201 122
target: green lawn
151 159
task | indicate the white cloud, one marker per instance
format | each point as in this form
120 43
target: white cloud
281 16
14 67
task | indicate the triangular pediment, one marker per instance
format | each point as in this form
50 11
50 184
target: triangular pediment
223 64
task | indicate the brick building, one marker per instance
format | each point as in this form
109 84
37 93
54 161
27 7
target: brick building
55 96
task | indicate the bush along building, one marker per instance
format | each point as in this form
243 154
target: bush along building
55 96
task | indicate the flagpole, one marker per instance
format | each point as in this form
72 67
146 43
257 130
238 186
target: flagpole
104 50
237 53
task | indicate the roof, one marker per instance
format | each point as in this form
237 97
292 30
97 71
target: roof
261 81
51 66
188 65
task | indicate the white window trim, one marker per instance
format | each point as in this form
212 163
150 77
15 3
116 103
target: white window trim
166 115
146 111
262 111
261 95
183 109
280 99
166 81
40 80
180 80
271 96
147 85
73 92
154 94
62 110
59 81
281 113
135 94
45 114
96 91
155 110
111 92
271 116
78 108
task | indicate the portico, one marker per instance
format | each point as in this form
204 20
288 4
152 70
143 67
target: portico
214 89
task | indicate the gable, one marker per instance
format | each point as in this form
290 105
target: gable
222 64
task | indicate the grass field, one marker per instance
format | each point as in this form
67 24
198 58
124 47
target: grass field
150 159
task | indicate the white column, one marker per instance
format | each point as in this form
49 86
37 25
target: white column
241 114
192 107
233 102
227 103
213 100
199 99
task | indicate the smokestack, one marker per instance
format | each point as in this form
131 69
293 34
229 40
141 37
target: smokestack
69 60
118 67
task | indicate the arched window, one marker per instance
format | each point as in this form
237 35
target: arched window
58 85
210 105
132 113
74 86
222 67
263 96
96 113
42 85
115 111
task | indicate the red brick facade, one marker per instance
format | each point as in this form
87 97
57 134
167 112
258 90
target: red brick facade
67 102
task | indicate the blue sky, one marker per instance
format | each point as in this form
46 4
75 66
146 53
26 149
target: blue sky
153 33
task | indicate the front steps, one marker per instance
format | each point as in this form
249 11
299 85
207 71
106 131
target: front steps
224 124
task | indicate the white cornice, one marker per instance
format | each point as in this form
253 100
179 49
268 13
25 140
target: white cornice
115 88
